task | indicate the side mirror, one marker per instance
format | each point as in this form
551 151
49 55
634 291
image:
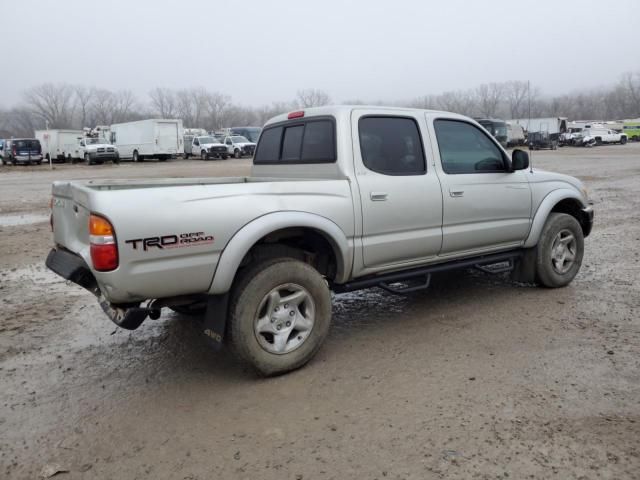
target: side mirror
519 160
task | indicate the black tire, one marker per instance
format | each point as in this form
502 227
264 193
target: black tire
598 140
224 157
87 159
623 140
186 156
237 154
548 273
248 295
204 155
135 157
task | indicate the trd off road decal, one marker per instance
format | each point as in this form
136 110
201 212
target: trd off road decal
179 240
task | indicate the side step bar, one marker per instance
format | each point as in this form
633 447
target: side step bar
493 263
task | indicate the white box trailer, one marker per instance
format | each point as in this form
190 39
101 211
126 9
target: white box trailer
551 125
59 144
153 138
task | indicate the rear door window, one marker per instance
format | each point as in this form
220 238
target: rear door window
311 141
391 145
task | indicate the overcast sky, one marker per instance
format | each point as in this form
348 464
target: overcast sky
264 51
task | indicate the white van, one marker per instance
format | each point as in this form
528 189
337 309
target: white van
153 138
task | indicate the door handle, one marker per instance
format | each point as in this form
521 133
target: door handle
378 196
459 193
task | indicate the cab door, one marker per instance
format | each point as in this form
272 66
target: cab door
486 206
400 194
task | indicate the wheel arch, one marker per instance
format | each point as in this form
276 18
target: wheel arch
288 229
559 201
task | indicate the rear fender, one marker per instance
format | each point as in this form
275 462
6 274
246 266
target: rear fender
541 215
252 232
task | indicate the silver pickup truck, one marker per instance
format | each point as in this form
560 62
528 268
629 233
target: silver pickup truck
339 199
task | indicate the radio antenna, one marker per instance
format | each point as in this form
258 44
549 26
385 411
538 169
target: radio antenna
529 126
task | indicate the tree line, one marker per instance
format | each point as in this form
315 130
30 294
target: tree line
78 106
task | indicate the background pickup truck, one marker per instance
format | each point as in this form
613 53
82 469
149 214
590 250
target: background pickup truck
340 198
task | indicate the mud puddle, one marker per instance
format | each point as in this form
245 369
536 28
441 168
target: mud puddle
22 219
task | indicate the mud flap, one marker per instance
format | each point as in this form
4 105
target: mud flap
525 268
215 319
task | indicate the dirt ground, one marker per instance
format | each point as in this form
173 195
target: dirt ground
475 378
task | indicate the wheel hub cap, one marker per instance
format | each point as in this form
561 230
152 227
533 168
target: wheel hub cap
563 251
284 319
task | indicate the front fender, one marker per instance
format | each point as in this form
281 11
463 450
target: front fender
544 209
252 232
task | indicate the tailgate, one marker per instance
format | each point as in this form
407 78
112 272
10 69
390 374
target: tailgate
70 210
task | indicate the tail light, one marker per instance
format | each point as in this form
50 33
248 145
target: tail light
298 114
104 249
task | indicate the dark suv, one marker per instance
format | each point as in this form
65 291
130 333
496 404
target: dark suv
22 150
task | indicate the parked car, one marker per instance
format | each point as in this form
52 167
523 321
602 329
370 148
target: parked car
153 138
95 150
239 146
340 199
22 151
601 136
250 133
58 144
208 147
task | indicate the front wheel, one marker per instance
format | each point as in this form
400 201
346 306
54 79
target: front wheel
236 153
87 159
204 155
559 251
135 157
623 140
280 314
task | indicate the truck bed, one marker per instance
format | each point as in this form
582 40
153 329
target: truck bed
213 209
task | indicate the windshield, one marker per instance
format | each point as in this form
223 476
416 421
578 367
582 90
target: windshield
207 140
27 144
239 139
95 141
501 131
252 133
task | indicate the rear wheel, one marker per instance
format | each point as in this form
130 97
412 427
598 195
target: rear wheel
623 140
135 157
559 251
279 315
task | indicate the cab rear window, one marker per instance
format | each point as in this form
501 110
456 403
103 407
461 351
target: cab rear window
307 141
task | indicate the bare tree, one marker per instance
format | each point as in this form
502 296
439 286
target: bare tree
164 102
515 93
488 98
83 96
457 102
52 103
217 106
630 84
311 97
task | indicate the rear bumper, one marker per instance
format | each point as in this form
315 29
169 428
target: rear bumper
73 268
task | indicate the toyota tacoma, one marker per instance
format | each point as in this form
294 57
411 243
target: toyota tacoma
340 198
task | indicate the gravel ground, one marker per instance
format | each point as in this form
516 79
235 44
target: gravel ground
475 378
